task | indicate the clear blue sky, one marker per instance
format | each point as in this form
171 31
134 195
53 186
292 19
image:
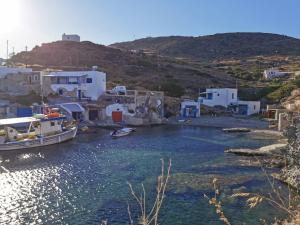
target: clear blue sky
32 22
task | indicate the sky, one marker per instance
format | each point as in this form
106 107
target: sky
32 22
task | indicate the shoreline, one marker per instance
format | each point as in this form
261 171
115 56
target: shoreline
222 122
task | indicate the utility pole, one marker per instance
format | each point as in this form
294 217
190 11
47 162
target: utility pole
26 57
6 50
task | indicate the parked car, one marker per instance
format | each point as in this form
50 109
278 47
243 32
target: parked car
119 90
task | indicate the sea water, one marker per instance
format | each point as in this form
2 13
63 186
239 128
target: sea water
84 181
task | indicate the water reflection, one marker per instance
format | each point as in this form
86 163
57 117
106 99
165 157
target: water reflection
84 181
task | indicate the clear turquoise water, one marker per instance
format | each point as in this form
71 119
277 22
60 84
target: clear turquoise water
84 181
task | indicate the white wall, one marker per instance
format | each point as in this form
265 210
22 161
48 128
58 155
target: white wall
221 96
117 107
13 70
271 73
190 103
70 37
92 90
253 106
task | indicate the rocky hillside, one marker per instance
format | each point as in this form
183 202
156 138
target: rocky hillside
218 46
178 65
123 67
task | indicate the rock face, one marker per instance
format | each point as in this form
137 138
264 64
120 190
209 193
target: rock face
263 151
292 103
290 175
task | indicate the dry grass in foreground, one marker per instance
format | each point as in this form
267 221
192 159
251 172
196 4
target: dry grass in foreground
288 205
151 217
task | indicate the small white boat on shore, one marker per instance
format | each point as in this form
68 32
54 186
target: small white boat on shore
122 132
38 131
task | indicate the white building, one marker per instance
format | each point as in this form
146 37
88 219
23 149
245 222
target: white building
273 73
219 97
4 70
190 108
228 98
74 84
248 107
70 37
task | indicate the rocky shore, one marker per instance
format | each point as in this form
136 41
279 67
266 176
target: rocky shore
270 150
221 122
283 155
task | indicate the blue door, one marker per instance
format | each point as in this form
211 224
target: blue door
243 109
190 111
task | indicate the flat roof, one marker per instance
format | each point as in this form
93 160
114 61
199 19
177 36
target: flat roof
73 73
17 120
73 107
65 75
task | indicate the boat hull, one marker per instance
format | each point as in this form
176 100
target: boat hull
39 142
122 132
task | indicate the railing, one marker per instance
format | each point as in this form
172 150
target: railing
132 93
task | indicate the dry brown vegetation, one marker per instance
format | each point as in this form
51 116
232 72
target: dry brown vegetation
151 216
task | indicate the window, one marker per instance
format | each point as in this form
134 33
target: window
232 95
60 91
52 124
89 80
209 95
254 107
73 80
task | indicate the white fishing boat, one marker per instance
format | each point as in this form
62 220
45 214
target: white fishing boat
29 132
122 132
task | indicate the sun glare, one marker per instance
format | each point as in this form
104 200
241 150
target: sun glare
9 15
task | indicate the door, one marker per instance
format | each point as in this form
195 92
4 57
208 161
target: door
243 109
79 94
93 114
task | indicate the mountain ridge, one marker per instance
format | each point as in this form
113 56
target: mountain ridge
220 60
217 46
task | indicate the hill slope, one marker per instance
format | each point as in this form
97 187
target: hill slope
218 46
182 65
123 67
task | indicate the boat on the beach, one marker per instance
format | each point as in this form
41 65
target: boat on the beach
37 131
122 132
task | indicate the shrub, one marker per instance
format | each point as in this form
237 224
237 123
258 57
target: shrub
172 89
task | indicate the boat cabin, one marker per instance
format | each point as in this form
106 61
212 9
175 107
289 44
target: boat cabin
28 128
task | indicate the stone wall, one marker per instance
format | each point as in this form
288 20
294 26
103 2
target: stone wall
20 83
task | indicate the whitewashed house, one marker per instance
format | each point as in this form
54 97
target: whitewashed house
219 97
228 98
248 107
273 73
78 85
190 109
70 37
